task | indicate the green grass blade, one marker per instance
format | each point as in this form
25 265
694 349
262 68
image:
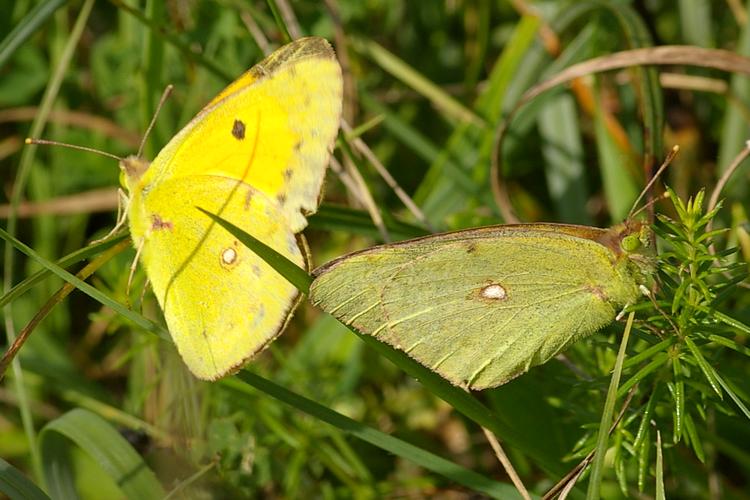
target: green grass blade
453 109
394 445
16 486
734 126
104 445
620 188
597 465
285 267
72 258
89 290
660 495
27 27
707 369
563 153
352 221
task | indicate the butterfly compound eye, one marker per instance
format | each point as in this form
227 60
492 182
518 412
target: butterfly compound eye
631 243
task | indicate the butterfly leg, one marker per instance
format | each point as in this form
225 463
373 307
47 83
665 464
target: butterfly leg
122 214
134 264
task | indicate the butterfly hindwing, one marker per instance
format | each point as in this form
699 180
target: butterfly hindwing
221 302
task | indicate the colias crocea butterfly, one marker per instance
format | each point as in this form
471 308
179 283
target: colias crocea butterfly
482 306
255 155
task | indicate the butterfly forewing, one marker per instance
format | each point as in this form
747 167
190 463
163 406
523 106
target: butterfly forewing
479 307
273 128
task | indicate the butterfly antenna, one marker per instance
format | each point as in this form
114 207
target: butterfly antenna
667 161
45 142
659 198
164 97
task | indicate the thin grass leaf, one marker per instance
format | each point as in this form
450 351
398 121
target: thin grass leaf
734 396
644 458
678 411
644 426
70 259
694 438
285 267
730 343
708 371
453 109
597 464
29 25
660 495
650 352
659 360
89 290
728 320
405 450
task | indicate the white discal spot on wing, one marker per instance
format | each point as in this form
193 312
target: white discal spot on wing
494 291
228 256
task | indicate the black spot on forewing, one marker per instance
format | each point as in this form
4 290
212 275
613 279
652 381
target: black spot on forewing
287 174
281 198
238 130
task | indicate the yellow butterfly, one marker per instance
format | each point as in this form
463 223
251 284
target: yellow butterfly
255 155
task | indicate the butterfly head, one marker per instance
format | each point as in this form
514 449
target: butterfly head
636 243
132 169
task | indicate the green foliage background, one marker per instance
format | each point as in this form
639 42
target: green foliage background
428 82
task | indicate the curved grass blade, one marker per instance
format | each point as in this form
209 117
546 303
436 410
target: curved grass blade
104 445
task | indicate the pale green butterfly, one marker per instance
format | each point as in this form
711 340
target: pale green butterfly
482 306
